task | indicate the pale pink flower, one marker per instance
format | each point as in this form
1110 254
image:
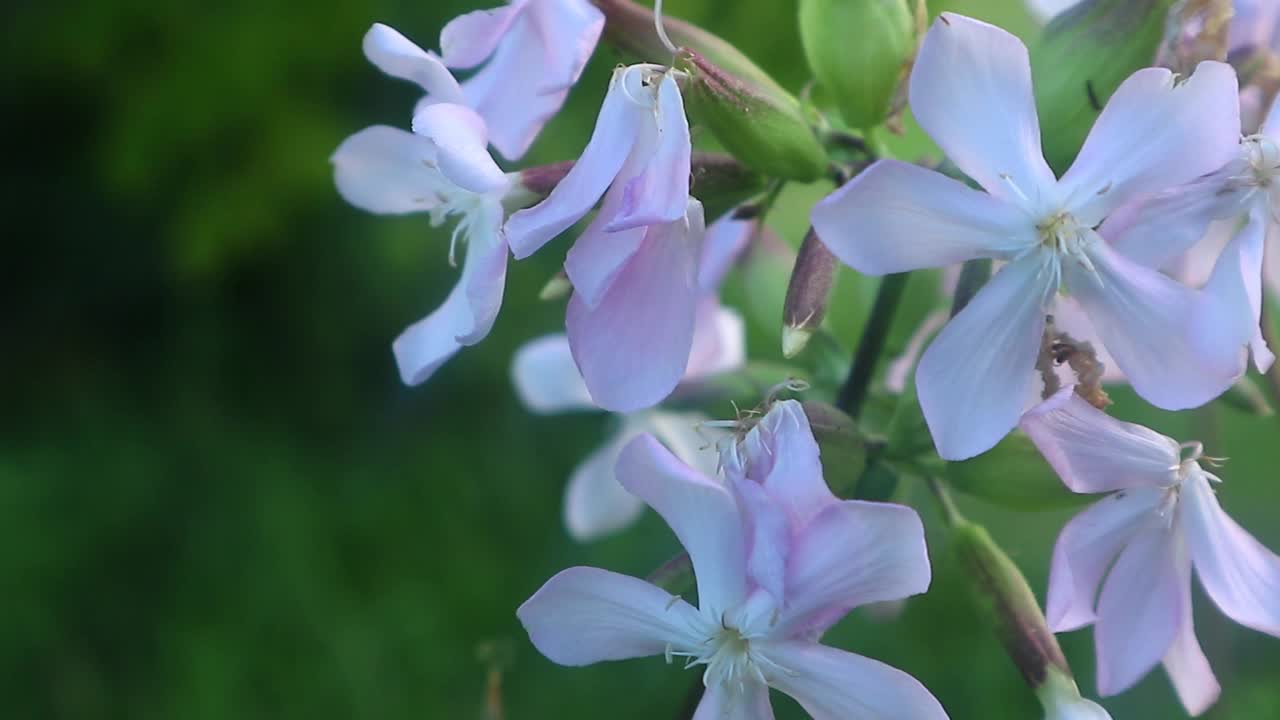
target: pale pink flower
971 91
1139 546
444 169
750 631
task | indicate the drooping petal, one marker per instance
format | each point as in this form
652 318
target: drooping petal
1156 229
468 313
398 56
895 217
726 239
724 702
471 38
659 193
611 142
1238 572
585 615
835 685
1154 133
702 514
388 171
1230 309
1143 318
971 91
1141 608
595 505
1093 452
462 146
598 255
546 378
978 376
719 340
781 454
633 347
1186 665
1085 549
851 554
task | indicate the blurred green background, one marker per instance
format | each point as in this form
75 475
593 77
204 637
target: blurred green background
217 500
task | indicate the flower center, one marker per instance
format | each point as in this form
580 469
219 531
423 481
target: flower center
729 659
1263 156
1062 234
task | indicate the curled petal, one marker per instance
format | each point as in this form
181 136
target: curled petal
585 615
659 192
1093 452
471 38
895 217
835 685
781 454
1154 133
398 56
461 141
978 376
702 514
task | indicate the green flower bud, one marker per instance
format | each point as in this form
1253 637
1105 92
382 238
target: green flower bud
859 51
1081 57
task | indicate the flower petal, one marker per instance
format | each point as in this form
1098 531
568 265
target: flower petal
471 38
398 56
1238 572
835 685
895 217
851 554
1227 317
781 454
1156 229
546 378
595 505
1143 318
978 376
1093 452
571 29
388 171
585 615
460 137
723 702
768 538
1187 667
702 514
659 193
610 144
1141 608
1085 550
726 239
971 92
685 434
597 256
467 314
719 340
633 347
1154 133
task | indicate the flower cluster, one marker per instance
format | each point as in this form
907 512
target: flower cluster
1143 260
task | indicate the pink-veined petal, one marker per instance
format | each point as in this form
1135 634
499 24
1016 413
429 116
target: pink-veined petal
633 347
467 314
1085 550
585 615
978 375
1186 665
1144 318
1140 608
546 378
471 38
460 138
726 239
701 513
832 684
725 702
1238 572
719 340
1230 309
1154 133
610 144
851 554
398 56
971 92
387 171
595 504
570 30
659 193
1093 452
895 217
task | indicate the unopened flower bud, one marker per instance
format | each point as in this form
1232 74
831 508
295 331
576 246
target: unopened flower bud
1081 57
1247 396
860 76
1062 700
557 288
808 293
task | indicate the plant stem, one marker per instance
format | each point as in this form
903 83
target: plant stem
950 514
854 392
1272 376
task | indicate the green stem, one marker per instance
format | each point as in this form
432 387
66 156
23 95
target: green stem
1272 376
856 385
950 513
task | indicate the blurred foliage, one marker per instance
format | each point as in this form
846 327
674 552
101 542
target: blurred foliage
217 501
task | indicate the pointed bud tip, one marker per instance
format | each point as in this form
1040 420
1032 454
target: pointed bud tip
557 288
794 340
